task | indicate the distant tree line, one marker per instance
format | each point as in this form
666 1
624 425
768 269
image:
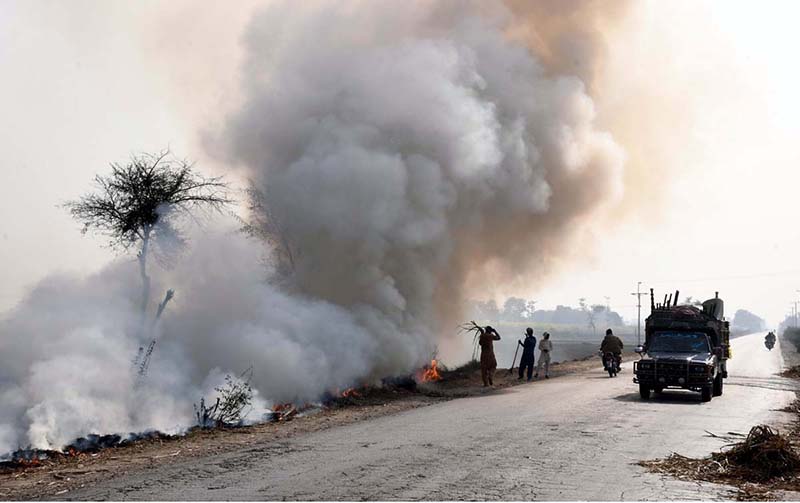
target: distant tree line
516 309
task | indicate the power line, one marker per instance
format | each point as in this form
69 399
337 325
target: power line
724 278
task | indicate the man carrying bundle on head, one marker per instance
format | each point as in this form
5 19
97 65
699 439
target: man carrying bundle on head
488 361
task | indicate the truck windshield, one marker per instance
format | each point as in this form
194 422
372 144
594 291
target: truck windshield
680 342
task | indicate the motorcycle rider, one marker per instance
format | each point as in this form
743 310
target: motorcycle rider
612 344
769 340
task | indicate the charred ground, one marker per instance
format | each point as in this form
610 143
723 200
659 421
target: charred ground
54 474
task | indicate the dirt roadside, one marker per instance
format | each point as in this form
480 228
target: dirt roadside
58 476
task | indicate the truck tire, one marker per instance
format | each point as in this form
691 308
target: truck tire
706 393
659 390
644 391
718 385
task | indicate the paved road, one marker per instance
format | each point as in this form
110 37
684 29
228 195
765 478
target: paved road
573 438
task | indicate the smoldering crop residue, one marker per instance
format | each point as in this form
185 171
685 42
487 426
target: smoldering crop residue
402 148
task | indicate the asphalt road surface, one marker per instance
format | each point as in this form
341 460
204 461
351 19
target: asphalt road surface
575 438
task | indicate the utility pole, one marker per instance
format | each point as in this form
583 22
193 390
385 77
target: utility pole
638 293
795 310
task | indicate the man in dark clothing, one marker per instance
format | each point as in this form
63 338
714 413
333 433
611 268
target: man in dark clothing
527 353
612 344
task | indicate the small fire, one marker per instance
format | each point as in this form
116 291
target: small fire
350 393
284 412
429 374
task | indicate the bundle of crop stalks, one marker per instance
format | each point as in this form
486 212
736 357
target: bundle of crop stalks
476 331
793 372
763 456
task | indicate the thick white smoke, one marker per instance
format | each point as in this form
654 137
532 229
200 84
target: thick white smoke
403 148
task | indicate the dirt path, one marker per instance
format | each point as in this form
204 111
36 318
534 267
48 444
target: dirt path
575 437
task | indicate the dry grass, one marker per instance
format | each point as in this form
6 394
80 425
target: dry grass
764 461
791 372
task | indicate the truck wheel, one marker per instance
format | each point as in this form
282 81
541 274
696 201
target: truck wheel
644 391
659 390
718 385
706 393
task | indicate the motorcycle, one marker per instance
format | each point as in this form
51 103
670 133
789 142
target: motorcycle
769 341
611 363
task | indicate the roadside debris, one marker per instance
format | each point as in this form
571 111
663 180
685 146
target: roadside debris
792 372
764 456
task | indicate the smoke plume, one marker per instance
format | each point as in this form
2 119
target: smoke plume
409 154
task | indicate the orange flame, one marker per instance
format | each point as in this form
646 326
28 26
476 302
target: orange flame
350 392
429 374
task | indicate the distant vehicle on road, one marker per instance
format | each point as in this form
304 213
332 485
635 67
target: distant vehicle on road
769 340
685 347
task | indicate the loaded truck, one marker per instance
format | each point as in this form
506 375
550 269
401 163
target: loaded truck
685 347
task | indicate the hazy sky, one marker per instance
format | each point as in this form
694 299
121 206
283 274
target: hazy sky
710 87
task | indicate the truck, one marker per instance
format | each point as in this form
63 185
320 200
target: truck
685 347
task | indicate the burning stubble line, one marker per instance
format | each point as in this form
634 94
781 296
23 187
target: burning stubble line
399 163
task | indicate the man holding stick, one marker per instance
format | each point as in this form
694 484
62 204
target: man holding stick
527 360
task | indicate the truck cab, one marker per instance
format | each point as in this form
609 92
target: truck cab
685 347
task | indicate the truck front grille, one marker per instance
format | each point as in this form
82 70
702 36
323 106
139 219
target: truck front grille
671 368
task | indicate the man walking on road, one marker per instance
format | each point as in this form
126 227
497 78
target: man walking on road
544 356
526 363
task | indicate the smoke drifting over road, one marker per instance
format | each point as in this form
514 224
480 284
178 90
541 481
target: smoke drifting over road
406 151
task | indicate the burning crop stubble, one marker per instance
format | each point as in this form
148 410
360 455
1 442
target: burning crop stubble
402 159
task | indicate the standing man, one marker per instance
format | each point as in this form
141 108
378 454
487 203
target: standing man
544 356
527 353
488 361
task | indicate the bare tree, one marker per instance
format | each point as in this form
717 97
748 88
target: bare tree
140 205
264 224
